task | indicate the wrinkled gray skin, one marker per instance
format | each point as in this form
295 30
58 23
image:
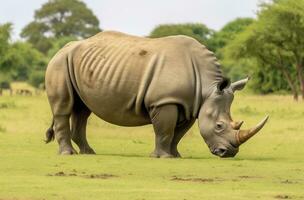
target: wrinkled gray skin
132 81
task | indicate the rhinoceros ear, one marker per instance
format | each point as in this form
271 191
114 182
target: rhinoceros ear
225 83
239 85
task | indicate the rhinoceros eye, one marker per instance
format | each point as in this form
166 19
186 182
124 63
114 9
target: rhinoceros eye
220 126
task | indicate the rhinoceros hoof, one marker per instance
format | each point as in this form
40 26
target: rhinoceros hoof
161 155
87 151
68 152
176 154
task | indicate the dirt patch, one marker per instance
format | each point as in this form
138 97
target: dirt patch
201 180
283 196
62 174
143 52
82 174
215 179
289 182
100 176
248 177
20 199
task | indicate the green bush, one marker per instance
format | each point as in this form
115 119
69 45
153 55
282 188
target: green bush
5 84
37 79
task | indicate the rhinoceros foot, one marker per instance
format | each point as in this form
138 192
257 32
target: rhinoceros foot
176 154
160 154
87 151
67 151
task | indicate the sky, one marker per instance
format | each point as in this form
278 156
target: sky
139 17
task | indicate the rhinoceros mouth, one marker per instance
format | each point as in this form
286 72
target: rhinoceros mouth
225 151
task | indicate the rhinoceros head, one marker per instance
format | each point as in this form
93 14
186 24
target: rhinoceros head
222 135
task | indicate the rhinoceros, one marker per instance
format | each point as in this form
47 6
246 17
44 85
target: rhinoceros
127 80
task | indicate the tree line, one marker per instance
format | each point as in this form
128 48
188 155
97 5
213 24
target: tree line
270 48
56 23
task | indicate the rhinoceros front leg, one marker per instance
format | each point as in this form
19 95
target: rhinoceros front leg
79 120
164 120
180 130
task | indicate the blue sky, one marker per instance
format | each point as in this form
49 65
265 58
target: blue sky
139 17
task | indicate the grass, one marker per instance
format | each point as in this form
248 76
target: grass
269 166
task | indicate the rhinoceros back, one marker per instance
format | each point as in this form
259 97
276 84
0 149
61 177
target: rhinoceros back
119 76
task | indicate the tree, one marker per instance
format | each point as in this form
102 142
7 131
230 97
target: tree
200 32
276 41
36 79
5 35
221 38
60 18
19 59
234 68
288 17
58 44
23 59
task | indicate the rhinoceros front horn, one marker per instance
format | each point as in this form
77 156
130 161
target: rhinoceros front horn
243 135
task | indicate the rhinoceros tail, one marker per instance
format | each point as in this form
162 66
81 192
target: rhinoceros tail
50 134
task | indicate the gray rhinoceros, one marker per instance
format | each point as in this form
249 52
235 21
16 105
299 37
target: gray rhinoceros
132 81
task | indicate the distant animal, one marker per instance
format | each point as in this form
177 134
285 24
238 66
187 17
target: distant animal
132 81
25 92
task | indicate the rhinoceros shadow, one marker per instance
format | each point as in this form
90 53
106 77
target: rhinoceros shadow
195 157
147 156
257 159
122 155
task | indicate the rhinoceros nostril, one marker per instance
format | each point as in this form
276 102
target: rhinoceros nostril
220 152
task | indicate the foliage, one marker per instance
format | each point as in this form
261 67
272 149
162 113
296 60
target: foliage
221 38
5 35
234 69
24 59
60 18
36 79
198 31
276 41
5 81
238 69
18 59
57 44
5 84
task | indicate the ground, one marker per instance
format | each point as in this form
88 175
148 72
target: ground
269 166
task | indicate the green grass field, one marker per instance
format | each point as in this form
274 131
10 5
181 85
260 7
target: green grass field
269 166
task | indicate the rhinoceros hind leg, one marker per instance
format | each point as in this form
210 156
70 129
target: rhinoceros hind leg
80 116
180 130
164 120
61 98
63 135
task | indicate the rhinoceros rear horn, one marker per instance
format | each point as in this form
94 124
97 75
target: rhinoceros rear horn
239 85
237 125
243 135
